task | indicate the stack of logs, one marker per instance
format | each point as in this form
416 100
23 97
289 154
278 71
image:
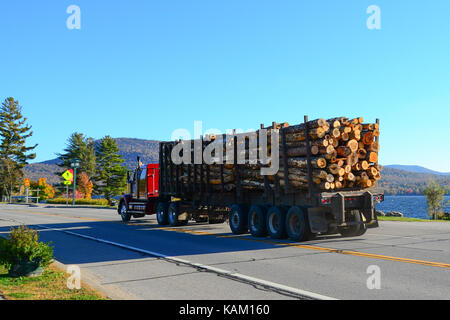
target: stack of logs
343 153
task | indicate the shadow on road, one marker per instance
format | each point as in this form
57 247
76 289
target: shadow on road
146 235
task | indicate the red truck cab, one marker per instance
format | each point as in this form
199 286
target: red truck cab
143 191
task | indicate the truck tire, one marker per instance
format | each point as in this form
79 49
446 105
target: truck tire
173 212
355 230
257 221
161 214
124 212
297 224
238 219
275 222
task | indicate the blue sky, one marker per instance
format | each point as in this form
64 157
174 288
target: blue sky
145 68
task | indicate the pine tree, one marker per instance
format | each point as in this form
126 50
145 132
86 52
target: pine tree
111 175
81 148
14 154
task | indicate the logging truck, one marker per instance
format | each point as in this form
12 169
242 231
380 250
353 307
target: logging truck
324 185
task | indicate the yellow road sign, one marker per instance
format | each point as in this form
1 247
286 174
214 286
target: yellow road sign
68 175
68 182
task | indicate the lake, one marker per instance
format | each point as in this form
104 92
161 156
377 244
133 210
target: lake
410 206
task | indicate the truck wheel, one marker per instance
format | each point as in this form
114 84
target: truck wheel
161 214
257 221
275 222
238 219
355 230
173 214
297 224
124 212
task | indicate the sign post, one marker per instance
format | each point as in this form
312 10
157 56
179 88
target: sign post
27 185
68 179
74 164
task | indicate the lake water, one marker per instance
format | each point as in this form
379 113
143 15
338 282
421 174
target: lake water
410 206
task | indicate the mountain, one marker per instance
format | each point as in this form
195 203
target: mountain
416 169
396 179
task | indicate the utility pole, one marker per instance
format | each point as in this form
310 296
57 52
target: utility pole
75 163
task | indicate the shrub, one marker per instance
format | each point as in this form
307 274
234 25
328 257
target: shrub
22 245
95 202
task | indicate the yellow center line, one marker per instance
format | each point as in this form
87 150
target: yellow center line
309 247
316 248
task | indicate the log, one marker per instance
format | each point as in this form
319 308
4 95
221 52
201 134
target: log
353 145
364 165
372 157
368 138
344 151
336 133
362 153
326 150
350 176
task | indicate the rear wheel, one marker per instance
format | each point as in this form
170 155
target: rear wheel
161 214
257 221
354 230
297 224
238 219
275 221
124 212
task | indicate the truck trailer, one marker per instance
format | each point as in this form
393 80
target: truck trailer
276 210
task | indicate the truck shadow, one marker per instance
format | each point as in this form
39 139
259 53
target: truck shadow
70 246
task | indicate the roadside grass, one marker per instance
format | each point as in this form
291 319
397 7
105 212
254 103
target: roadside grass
406 219
51 285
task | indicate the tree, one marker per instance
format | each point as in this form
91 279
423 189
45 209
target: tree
82 148
111 175
85 186
46 191
435 199
14 154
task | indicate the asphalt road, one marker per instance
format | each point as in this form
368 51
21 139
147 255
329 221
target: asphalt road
202 261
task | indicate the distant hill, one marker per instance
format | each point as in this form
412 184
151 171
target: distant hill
416 169
396 179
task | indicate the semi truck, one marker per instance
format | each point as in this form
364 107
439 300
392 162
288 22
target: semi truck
275 211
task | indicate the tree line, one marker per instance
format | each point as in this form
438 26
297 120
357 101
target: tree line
101 169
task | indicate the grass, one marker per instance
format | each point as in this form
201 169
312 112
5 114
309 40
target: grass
406 219
51 285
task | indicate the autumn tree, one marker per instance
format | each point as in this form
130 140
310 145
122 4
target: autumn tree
85 186
46 191
110 179
14 154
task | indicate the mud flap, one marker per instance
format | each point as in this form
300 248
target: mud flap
317 220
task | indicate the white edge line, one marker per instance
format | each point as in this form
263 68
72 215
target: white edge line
308 294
